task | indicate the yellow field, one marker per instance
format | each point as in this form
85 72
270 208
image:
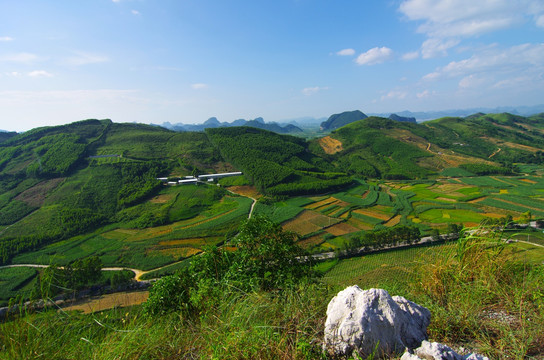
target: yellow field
341 229
393 221
109 301
375 212
179 252
191 241
308 221
318 204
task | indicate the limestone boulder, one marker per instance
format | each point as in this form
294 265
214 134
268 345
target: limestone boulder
437 351
371 321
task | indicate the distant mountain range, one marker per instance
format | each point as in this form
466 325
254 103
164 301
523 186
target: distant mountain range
212 123
336 121
432 115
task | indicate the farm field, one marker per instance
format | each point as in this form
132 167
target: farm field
326 222
196 217
393 269
16 281
152 247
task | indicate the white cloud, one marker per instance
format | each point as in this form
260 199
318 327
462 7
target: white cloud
394 95
518 67
199 86
19 58
135 12
446 18
346 52
39 73
445 22
540 21
471 81
423 94
308 91
431 76
410 55
374 56
6 38
436 47
84 58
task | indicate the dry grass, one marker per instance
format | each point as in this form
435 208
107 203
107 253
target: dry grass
109 301
246 190
162 199
330 145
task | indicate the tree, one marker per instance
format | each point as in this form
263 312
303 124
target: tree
269 254
266 258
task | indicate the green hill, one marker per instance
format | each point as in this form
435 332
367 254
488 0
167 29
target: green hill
64 181
336 121
379 147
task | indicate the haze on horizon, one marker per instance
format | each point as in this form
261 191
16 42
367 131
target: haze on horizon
183 61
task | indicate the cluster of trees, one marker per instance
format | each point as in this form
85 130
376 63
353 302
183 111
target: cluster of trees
14 211
266 258
379 239
485 169
369 152
63 223
277 164
56 155
75 276
139 181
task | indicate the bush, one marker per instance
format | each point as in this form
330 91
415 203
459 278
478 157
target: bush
266 258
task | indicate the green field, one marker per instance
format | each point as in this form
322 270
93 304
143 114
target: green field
148 248
16 281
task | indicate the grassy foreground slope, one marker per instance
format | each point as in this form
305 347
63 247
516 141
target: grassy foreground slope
484 295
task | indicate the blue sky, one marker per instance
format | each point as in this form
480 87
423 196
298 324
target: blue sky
184 61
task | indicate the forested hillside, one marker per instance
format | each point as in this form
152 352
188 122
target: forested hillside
277 164
64 181
482 144
58 182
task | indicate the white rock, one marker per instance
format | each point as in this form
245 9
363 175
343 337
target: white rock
363 321
437 351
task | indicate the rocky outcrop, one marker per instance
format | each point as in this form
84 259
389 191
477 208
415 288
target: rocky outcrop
437 351
371 321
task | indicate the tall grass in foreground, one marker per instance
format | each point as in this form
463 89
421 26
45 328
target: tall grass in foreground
257 325
482 295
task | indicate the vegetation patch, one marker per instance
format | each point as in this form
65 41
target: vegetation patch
308 222
35 196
